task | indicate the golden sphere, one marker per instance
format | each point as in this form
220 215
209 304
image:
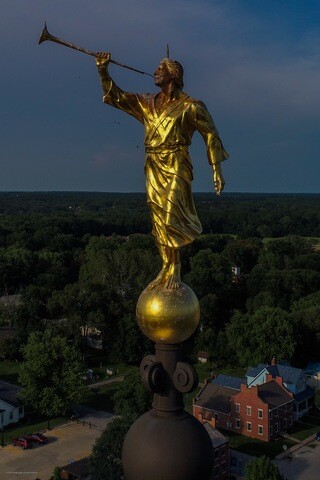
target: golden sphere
168 316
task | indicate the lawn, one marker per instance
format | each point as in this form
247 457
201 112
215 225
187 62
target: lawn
257 448
9 371
101 398
304 430
204 371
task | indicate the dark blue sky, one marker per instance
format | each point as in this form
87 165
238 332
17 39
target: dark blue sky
254 63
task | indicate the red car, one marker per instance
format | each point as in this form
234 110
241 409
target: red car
37 438
23 442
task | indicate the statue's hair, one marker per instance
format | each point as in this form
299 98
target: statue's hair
176 69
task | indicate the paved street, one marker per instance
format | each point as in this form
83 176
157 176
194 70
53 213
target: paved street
305 464
71 441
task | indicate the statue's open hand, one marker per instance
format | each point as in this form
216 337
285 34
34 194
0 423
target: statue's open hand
103 59
218 181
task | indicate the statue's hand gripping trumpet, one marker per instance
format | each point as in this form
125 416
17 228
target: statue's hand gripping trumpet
170 118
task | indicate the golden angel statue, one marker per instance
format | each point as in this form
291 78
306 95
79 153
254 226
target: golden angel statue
170 118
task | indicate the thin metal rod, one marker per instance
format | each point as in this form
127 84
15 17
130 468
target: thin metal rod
45 35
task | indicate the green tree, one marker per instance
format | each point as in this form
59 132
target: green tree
105 463
262 469
51 374
131 398
257 338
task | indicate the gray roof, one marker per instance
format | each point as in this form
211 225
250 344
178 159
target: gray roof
79 468
9 393
229 381
308 392
273 394
216 397
312 368
289 374
216 437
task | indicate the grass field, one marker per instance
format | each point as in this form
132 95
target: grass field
257 448
9 371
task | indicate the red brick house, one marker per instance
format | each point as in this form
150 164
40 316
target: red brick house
258 411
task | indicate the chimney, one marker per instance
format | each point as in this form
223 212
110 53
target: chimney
273 360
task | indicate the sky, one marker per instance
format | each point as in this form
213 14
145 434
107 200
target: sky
255 64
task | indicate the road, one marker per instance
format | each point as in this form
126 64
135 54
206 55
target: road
304 465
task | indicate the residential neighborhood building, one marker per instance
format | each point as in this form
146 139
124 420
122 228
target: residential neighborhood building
77 470
313 375
11 407
258 411
220 443
294 380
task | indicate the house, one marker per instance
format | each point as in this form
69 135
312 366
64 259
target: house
11 408
77 470
220 444
203 357
294 380
313 375
257 411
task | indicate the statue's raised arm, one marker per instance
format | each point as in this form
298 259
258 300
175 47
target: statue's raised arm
170 118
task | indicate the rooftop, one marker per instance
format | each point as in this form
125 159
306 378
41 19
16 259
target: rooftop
216 437
216 397
273 394
229 381
9 393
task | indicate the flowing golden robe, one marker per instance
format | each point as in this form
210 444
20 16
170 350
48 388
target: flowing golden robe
168 165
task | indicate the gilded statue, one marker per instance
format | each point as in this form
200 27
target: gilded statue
170 118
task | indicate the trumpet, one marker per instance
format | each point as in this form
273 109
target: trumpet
45 35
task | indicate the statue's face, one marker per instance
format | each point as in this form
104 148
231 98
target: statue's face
162 75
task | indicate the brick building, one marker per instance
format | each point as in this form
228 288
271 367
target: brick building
257 411
220 443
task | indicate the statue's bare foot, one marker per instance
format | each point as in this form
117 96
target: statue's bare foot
160 278
173 280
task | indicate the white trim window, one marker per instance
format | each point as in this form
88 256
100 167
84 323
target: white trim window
248 410
238 423
238 407
249 426
260 413
260 429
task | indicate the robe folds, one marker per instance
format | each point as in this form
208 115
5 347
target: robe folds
168 166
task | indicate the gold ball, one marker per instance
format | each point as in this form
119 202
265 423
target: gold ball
168 316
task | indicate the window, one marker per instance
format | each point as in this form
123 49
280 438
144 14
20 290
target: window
11 415
237 423
260 429
260 413
238 407
233 461
223 467
271 431
248 410
249 426
216 471
21 409
271 415
276 427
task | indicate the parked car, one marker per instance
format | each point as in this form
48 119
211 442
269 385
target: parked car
317 437
23 442
37 438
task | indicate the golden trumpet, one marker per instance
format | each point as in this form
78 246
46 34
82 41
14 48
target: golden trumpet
45 35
